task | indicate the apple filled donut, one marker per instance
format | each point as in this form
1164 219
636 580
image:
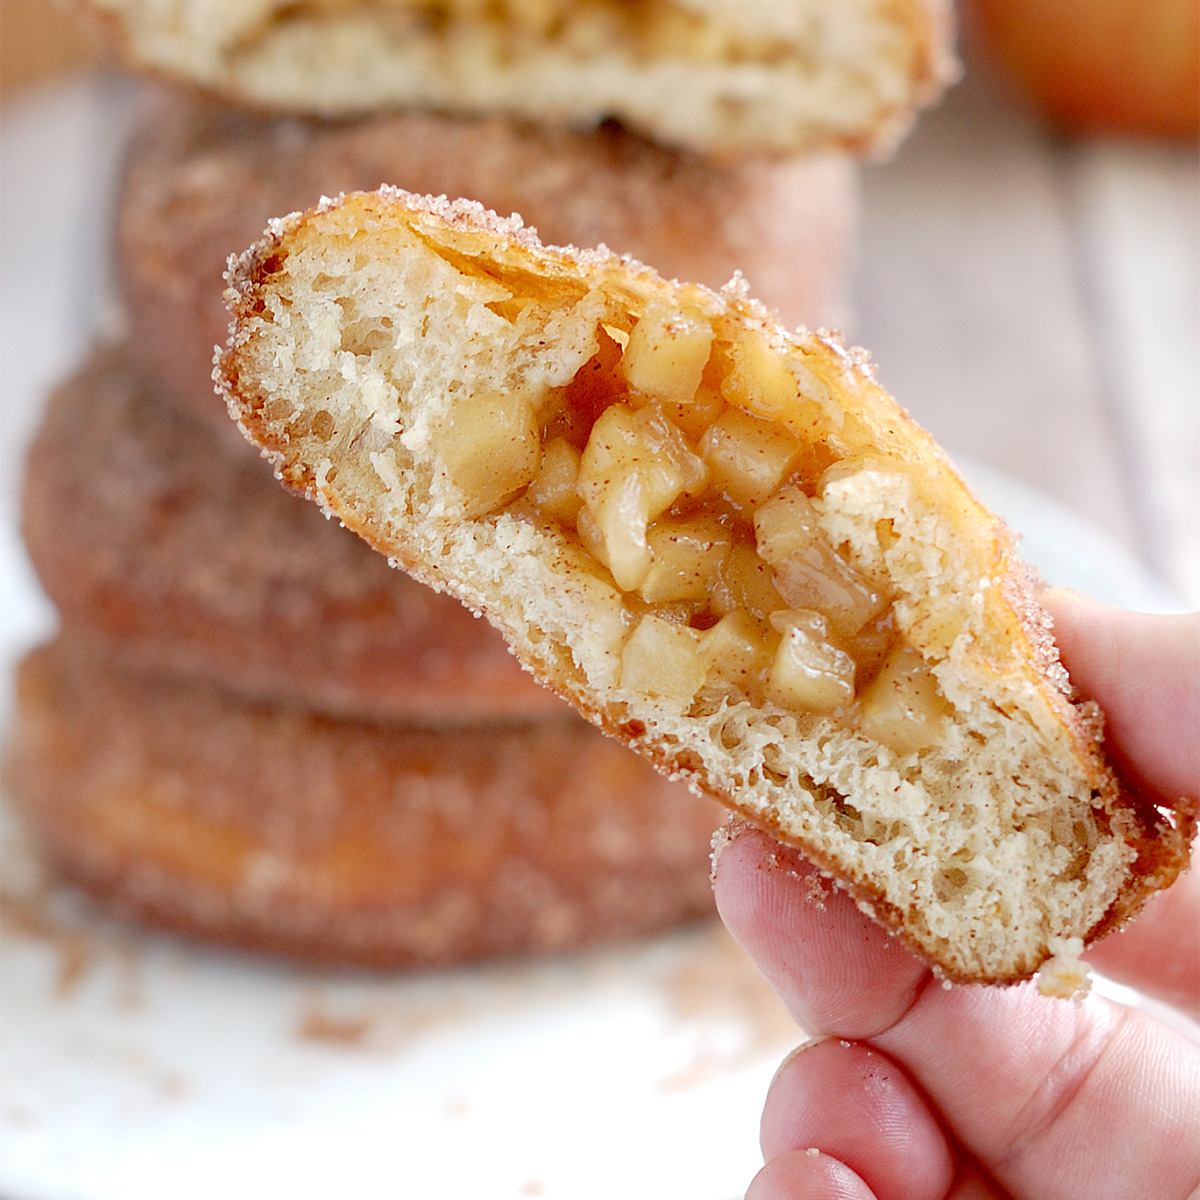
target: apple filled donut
382 845
723 542
201 180
725 75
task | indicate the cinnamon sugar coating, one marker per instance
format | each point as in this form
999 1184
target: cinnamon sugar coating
370 844
154 534
201 181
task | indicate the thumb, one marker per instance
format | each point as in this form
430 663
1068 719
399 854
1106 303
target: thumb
1144 672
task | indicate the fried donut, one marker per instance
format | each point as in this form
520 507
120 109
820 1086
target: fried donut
200 182
726 75
382 845
150 532
723 542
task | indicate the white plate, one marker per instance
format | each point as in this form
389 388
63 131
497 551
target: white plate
134 1065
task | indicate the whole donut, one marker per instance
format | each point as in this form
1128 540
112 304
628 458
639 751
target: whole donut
274 828
153 534
201 181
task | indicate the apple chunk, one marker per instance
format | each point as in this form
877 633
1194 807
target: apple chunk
903 707
685 556
666 355
490 446
808 572
663 659
809 672
635 466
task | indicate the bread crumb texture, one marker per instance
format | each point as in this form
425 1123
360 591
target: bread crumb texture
738 75
723 542
1064 975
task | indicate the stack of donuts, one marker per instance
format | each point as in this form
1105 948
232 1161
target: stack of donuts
250 727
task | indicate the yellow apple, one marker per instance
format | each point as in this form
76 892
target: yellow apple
1099 66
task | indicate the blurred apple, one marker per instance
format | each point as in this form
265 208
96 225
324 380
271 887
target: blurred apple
1100 66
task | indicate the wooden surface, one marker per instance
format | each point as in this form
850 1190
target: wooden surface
1034 301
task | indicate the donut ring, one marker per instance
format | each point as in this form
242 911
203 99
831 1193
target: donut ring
201 181
149 532
279 830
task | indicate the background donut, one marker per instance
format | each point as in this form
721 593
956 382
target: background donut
386 845
201 181
152 533
717 74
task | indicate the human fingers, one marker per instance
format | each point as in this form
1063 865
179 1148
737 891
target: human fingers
1144 672
836 971
1057 1100
1159 951
973 1184
807 1175
1107 1124
854 1103
803 1175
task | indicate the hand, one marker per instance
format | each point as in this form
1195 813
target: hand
916 1092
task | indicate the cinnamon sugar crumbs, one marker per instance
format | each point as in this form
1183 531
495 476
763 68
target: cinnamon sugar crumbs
30 917
723 1001
318 1026
723 836
784 859
817 890
1065 976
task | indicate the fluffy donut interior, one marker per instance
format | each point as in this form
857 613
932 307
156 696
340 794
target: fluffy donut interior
701 72
725 544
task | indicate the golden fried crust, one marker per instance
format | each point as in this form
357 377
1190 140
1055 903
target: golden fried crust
152 533
379 845
201 181
1018 784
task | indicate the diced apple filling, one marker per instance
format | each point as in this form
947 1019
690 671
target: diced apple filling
642 440
809 671
758 379
695 415
688 489
685 556
809 573
739 651
903 707
749 458
635 466
663 659
491 447
586 30
666 355
744 583
617 536
554 490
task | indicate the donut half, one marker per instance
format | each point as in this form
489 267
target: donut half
722 541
